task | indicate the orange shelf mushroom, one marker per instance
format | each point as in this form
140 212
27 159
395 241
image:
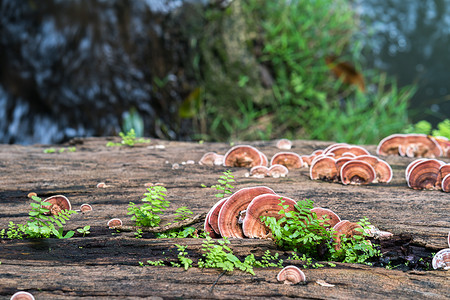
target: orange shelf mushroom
231 210
243 156
441 260
411 145
290 160
291 275
58 204
263 205
357 172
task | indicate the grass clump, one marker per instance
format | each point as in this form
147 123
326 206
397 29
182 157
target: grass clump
424 127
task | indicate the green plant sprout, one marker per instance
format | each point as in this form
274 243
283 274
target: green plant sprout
300 230
424 127
61 150
84 230
129 139
154 204
182 213
138 233
185 262
224 184
39 224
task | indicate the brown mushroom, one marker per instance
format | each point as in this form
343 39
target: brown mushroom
444 170
338 151
382 169
31 195
230 211
22 296
277 171
211 159
214 215
284 144
445 184
290 160
412 145
259 171
208 228
263 205
114 223
411 165
307 159
448 239
58 204
445 145
324 168
264 160
390 144
85 207
357 172
325 213
341 161
243 156
423 175
332 146
347 228
442 259
291 275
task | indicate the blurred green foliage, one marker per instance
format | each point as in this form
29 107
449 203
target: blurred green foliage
424 127
263 75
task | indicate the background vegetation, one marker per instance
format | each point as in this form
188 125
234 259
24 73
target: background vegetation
262 73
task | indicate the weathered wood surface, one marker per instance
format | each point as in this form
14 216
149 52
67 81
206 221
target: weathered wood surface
104 264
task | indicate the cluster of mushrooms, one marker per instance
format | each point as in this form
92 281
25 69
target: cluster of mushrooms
414 145
442 258
340 162
239 216
348 164
60 203
429 174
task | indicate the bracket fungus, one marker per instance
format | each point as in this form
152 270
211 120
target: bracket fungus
411 145
58 204
113 223
211 159
382 169
85 207
444 170
325 213
357 172
423 175
284 144
243 156
213 215
277 171
324 168
347 228
263 205
259 171
230 211
22 296
291 275
442 259
445 185
341 150
290 160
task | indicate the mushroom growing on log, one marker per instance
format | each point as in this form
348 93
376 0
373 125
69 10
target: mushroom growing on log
411 145
325 213
291 275
357 172
243 156
22 296
347 228
324 168
211 219
259 171
423 175
114 223
229 213
442 259
284 144
58 204
290 160
263 205
276 171
211 159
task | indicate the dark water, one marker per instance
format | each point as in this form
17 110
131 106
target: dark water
411 41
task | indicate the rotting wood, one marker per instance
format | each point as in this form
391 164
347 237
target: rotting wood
171 226
104 264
